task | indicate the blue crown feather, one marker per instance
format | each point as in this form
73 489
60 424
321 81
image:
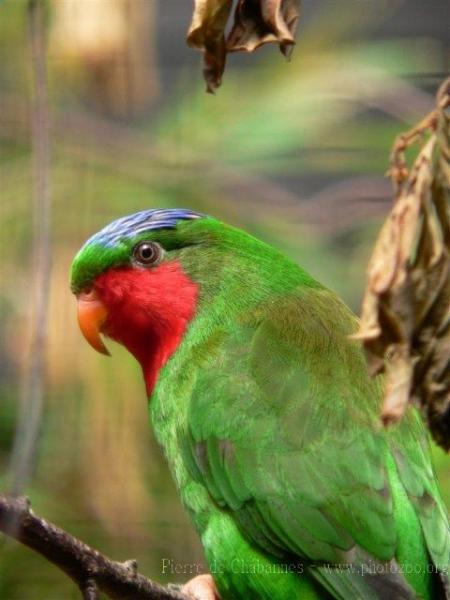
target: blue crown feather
140 222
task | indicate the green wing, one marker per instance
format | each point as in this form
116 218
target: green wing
283 432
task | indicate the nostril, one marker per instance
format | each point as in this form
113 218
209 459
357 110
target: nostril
88 294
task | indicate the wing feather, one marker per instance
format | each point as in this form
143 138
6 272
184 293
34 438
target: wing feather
284 435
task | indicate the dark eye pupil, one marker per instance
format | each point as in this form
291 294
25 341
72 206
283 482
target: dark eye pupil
147 253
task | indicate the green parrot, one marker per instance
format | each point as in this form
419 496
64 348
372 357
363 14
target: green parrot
266 413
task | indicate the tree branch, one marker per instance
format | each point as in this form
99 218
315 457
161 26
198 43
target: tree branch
89 569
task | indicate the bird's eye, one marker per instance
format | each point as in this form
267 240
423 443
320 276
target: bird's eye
147 253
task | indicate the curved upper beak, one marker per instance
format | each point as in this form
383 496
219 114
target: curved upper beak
92 315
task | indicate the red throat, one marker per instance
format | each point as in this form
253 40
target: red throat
148 312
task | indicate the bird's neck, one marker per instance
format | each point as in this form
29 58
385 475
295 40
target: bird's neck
149 313
160 344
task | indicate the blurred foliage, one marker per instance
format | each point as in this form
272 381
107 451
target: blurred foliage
293 153
105 53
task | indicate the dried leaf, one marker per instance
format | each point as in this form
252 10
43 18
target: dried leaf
256 22
405 324
399 371
206 33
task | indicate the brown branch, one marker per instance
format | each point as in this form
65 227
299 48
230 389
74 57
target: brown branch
90 590
89 569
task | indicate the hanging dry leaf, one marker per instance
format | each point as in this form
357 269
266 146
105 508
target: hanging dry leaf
405 323
255 22
206 33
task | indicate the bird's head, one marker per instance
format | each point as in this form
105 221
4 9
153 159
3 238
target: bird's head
136 282
143 278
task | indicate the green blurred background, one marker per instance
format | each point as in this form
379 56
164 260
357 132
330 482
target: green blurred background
294 153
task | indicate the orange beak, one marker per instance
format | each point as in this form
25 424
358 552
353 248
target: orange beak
92 315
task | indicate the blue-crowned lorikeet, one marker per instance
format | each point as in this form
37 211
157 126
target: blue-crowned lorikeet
266 413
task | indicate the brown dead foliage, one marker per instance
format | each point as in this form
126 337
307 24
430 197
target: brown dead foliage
255 22
405 324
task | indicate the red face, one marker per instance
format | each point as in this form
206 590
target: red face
145 309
